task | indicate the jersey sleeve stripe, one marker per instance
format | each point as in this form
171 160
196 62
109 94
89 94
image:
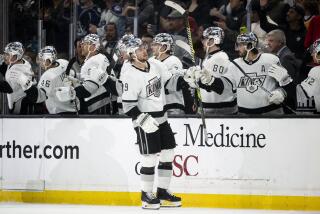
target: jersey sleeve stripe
44 92
93 82
129 101
226 78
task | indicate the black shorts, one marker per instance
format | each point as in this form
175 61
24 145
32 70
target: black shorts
153 143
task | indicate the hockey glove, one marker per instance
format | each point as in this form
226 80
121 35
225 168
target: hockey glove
280 74
192 76
65 93
147 123
277 97
206 77
24 81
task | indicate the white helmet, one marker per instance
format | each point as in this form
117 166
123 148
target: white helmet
164 39
121 45
92 39
47 53
250 39
215 33
14 49
132 45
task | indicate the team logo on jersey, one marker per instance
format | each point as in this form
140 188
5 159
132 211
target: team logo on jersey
154 87
251 84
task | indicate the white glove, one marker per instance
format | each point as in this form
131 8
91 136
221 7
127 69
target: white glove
277 97
280 74
147 123
65 93
192 76
206 77
72 81
98 76
24 81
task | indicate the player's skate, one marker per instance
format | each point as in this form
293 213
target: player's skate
167 199
149 201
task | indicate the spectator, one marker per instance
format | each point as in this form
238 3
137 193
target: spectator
313 32
230 18
311 8
23 20
56 24
276 44
111 37
255 23
147 40
145 13
109 14
88 13
199 10
294 29
172 22
275 11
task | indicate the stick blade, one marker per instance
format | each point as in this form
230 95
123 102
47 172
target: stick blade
175 6
183 45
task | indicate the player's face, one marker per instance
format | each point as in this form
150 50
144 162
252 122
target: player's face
86 48
316 57
142 54
155 48
207 43
6 58
242 49
44 64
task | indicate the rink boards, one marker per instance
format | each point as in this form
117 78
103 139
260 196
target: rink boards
246 163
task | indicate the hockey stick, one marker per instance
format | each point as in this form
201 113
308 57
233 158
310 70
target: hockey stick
260 86
185 46
182 11
249 10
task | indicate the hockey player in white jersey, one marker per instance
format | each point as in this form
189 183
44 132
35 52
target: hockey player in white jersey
216 62
308 92
51 80
258 78
95 86
144 83
120 56
162 48
18 77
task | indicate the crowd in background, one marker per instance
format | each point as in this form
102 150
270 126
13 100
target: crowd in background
112 19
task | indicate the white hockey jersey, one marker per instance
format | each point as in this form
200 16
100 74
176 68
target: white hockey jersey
174 99
10 77
217 63
99 96
249 94
311 86
145 90
50 80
